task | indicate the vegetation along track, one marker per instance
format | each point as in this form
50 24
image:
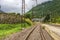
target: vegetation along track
33 33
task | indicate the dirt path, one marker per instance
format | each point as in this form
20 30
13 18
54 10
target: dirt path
54 28
33 33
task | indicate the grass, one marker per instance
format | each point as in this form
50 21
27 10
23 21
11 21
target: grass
7 29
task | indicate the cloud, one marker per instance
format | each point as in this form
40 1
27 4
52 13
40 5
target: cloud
10 6
15 5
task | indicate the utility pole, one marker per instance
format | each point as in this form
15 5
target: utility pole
32 12
33 8
0 7
23 7
36 2
23 10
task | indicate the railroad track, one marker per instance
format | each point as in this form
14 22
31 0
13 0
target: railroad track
34 33
42 35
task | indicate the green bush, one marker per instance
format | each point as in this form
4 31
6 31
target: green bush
28 21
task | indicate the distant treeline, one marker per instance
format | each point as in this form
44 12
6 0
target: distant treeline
10 18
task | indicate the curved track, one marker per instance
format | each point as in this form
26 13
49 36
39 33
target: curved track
34 33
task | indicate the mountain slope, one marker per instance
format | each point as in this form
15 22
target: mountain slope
50 7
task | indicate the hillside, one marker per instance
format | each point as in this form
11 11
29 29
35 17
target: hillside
12 18
50 7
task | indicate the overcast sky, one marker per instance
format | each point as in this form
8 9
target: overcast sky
15 5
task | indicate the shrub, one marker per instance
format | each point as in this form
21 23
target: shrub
28 21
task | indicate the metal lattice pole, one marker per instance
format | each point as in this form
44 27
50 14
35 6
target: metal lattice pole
0 7
33 8
23 7
23 10
36 2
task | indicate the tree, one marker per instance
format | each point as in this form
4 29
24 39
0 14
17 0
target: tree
28 16
47 18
